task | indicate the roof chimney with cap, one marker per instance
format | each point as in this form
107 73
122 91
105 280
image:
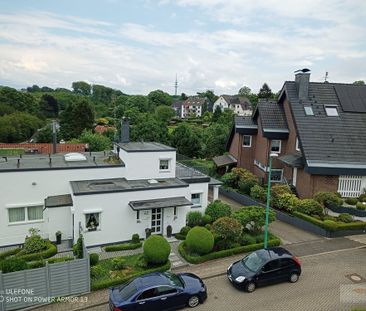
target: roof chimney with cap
125 131
302 78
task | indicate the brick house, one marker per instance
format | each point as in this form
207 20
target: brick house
318 131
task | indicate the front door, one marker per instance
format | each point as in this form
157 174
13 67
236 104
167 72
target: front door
156 221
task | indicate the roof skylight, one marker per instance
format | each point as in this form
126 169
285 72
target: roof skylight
309 110
331 111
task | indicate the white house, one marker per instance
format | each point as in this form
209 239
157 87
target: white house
191 106
239 104
107 197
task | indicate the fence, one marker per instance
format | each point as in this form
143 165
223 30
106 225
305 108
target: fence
349 186
27 288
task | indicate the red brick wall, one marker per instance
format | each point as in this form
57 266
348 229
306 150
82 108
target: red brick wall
47 148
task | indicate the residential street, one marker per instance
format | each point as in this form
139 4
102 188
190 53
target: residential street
318 288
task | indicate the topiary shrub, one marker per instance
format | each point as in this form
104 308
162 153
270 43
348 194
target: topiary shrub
351 201
135 238
206 219
12 265
94 259
286 202
362 197
34 243
218 209
253 217
50 251
345 217
328 199
310 207
199 241
156 250
361 206
227 229
258 193
118 263
194 218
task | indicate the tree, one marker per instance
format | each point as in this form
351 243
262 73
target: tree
359 82
186 140
217 113
33 88
19 101
245 91
95 141
82 88
158 98
228 229
209 95
265 91
48 106
102 94
253 217
139 102
183 96
76 118
215 138
44 135
149 129
164 113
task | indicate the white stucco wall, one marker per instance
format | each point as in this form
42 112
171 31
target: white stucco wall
221 102
201 188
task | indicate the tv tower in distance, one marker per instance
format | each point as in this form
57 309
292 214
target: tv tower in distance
176 85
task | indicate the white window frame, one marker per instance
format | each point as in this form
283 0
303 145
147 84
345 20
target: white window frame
279 147
200 197
250 142
276 170
329 113
307 112
26 218
297 146
96 211
169 164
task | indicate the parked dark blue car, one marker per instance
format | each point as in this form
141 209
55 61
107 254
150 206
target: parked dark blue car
264 267
158 291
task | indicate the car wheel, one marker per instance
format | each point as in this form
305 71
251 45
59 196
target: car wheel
250 288
193 301
294 277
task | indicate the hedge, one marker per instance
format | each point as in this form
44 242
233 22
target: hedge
8 253
224 253
121 280
330 226
122 247
42 263
49 252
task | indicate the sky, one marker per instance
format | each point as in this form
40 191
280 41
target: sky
138 46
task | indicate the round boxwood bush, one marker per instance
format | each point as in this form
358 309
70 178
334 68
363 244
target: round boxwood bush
345 217
156 250
351 201
310 207
199 241
362 197
218 209
328 199
361 206
135 238
12 265
94 259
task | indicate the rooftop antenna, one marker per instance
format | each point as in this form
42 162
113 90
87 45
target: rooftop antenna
176 85
326 77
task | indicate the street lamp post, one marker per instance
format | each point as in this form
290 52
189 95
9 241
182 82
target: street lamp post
271 156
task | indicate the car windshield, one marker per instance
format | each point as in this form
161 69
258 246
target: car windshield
128 290
174 279
253 262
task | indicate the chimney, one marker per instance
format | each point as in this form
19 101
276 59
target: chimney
125 131
54 137
302 78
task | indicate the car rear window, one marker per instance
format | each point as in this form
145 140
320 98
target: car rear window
128 291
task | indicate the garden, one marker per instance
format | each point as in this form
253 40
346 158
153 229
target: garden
220 232
314 210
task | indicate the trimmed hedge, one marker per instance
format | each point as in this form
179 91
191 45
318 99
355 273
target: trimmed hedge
224 253
8 253
49 252
156 249
42 263
121 280
122 247
200 240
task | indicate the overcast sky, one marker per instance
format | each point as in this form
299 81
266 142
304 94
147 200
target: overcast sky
138 46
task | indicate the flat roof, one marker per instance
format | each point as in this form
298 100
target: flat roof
58 201
100 186
57 162
144 147
159 203
189 174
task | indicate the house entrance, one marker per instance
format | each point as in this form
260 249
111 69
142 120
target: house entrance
156 220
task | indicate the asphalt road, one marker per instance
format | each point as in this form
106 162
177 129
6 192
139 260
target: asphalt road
321 287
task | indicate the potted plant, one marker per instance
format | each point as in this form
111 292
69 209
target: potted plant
147 232
169 230
58 237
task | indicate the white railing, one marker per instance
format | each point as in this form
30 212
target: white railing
349 186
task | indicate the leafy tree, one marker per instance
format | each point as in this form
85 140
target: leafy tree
253 217
245 91
183 96
164 113
19 101
48 106
139 102
33 88
44 135
158 98
265 91
45 89
120 106
359 82
82 88
65 97
96 142
102 94
217 114
186 140
75 118
215 138
6 109
218 209
149 129
228 229
210 95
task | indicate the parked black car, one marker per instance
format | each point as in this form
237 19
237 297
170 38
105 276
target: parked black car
264 267
158 292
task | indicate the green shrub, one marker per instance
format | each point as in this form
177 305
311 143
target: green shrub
218 209
230 179
227 229
310 207
351 201
194 218
330 225
279 189
245 186
362 197
34 243
12 265
156 250
199 241
59 259
135 239
96 272
208 227
122 247
94 259
118 263
328 199
50 251
8 253
77 249
258 193
286 202
361 206
141 262
247 239
243 174
36 264
329 217
345 217
206 219
184 231
253 217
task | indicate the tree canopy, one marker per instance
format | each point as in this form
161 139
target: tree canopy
265 91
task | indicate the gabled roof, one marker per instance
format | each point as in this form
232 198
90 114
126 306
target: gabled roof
331 145
238 100
194 101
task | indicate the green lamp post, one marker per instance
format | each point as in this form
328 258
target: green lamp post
271 156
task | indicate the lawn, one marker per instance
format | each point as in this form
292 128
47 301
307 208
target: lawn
5 152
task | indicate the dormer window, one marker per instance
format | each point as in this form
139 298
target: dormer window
309 110
331 111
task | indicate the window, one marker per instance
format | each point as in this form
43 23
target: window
271 266
247 140
308 110
164 165
175 211
166 290
27 213
297 147
276 175
286 262
150 293
331 111
138 216
196 199
92 221
276 146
